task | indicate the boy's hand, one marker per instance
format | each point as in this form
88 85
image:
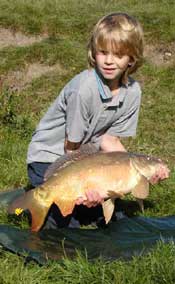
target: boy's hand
93 198
160 174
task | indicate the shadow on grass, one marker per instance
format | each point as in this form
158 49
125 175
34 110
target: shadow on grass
131 208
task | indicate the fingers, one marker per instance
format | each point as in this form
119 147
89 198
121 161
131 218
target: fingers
154 179
160 174
92 199
93 196
80 200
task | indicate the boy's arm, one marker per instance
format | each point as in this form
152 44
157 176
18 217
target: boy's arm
111 143
69 147
108 144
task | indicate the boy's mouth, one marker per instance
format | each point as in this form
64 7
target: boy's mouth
109 70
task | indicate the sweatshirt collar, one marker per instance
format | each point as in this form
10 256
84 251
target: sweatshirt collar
106 94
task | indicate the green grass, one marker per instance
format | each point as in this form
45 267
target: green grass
156 267
68 24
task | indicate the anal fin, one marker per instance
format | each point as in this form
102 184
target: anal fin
66 206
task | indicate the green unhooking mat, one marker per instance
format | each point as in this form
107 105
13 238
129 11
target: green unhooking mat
124 238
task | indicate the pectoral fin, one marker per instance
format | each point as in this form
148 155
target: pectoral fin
108 209
141 205
141 190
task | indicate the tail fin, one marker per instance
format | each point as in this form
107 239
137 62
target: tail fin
37 210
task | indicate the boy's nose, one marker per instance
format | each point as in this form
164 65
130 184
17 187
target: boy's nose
109 58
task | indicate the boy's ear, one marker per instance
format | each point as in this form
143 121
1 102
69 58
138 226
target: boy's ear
131 64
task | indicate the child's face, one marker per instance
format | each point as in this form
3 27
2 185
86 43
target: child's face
111 65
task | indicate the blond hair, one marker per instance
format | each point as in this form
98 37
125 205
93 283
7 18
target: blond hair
120 33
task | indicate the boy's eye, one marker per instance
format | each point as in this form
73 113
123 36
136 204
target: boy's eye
101 51
118 55
105 52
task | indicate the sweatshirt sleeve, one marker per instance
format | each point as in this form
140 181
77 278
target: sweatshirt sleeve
77 118
126 125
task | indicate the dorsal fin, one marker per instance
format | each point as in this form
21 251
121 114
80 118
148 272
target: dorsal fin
84 151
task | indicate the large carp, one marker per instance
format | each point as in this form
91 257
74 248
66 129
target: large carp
113 174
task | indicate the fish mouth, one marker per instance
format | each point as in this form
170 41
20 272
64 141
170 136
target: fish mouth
164 171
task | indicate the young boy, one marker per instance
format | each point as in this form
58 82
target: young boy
99 105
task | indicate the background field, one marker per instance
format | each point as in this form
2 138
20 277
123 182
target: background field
42 46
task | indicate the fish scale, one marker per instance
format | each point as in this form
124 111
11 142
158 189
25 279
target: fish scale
112 174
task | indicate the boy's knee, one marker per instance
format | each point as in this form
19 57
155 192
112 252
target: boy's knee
36 173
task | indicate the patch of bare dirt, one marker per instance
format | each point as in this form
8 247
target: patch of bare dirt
8 38
160 54
19 80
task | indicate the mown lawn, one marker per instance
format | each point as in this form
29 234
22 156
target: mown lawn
64 27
